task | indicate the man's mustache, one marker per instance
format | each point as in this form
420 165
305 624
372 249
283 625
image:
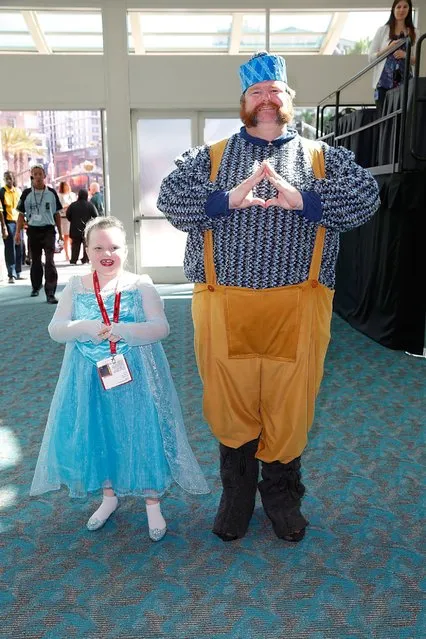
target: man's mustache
268 105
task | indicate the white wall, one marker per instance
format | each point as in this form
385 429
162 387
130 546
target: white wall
52 82
81 81
212 82
119 83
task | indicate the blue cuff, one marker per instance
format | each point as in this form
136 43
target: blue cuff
312 206
217 204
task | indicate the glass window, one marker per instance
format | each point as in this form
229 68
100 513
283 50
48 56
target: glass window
159 142
294 32
73 22
182 32
252 42
78 31
186 23
182 42
161 244
17 42
254 23
12 22
359 31
363 24
38 136
73 42
216 129
305 122
285 41
293 23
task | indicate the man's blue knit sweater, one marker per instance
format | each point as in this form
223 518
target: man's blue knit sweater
257 247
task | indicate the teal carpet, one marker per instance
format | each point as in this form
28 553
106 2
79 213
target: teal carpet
358 574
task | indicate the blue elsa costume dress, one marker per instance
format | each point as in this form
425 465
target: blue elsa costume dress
131 437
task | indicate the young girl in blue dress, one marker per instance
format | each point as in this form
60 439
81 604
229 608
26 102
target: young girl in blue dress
115 421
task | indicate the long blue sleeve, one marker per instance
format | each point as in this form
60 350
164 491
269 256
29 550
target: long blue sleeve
349 194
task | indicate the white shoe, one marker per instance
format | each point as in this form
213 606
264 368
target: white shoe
157 534
101 516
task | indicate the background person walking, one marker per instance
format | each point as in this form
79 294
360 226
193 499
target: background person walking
40 206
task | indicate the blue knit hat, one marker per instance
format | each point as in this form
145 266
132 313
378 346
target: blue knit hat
262 66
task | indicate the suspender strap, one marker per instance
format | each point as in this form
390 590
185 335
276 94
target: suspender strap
216 153
209 268
318 166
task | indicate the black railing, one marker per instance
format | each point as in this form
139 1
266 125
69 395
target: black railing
397 160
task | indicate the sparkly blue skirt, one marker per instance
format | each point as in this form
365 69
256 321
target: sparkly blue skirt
131 437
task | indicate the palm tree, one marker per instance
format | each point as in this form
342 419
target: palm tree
17 145
308 116
361 47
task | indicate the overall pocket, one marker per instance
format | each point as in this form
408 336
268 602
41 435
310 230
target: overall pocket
263 323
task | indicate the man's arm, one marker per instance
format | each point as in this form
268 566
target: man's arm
184 193
69 211
3 214
3 226
349 194
58 205
98 203
94 212
19 226
21 217
57 217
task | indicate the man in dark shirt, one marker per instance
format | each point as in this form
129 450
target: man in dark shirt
78 214
40 206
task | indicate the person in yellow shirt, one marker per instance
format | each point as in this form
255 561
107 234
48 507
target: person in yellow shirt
9 198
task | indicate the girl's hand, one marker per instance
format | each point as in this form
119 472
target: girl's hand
105 332
114 338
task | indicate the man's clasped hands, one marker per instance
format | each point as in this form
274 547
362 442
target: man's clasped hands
287 196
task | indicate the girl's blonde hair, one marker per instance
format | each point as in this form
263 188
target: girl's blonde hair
101 223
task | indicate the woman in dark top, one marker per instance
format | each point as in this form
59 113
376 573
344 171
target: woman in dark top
390 72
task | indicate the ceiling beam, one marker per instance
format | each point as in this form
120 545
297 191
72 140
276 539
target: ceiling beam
334 33
236 32
31 20
135 25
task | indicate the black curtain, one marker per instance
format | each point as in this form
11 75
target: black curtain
363 144
390 129
381 268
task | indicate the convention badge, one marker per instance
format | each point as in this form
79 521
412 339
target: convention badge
36 217
114 371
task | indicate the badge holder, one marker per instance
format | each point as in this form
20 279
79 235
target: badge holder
113 371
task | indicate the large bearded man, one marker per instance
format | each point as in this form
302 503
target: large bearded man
263 212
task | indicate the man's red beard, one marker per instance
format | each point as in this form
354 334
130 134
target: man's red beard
250 118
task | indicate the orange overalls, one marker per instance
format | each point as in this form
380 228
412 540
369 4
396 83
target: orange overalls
260 352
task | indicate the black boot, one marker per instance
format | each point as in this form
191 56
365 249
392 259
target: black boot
239 472
281 490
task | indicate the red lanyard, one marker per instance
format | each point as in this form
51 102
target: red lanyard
97 288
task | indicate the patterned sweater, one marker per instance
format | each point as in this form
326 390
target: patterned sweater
265 248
